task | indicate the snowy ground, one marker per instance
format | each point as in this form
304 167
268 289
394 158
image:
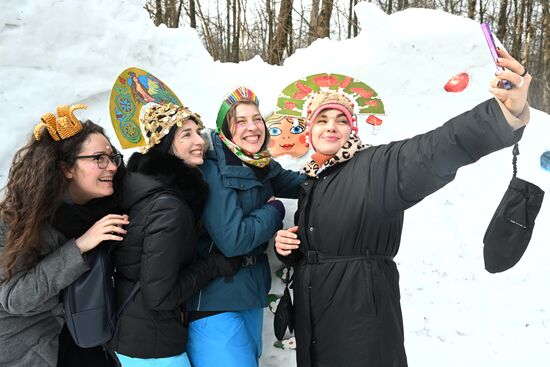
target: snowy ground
456 314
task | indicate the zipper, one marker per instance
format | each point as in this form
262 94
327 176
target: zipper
200 292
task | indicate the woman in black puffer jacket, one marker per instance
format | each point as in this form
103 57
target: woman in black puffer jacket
163 195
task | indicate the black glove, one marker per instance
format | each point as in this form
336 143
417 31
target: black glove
220 265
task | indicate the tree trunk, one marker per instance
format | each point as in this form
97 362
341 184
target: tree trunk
390 7
158 12
275 54
180 6
228 31
471 9
518 30
192 14
323 24
170 13
481 12
270 17
236 30
502 20
350 17
546 57
313 19
290 32
529 32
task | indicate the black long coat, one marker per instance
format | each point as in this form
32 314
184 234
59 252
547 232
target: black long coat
348 310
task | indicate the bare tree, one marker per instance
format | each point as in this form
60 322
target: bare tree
192 14
231 32
313 20
236 31
275 54
323 22
502 20
270 17
518 28
400 5
352 19
472 8
529 31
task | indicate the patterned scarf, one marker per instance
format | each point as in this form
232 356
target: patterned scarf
348 150
260 159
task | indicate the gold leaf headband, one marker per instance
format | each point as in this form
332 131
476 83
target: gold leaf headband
156 121
62 127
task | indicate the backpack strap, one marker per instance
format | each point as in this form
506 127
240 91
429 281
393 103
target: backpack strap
135 289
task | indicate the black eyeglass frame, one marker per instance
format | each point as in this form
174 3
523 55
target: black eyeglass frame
116 158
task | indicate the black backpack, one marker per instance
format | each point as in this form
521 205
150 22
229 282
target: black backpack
89 302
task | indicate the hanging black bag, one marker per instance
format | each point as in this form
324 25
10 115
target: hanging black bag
511 227
284 314
89 302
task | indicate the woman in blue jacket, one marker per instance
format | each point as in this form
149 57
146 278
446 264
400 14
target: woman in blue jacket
241 214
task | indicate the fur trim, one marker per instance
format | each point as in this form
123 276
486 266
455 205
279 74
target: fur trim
186 180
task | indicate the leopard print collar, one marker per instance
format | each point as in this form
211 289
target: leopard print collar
348 150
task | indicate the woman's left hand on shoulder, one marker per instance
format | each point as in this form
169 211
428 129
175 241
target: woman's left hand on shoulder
514 99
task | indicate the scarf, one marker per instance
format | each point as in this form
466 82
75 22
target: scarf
346 152
74 220
260 159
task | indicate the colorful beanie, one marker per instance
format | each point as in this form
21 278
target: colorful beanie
157 120
233 97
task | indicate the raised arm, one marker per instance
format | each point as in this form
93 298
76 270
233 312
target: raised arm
414 168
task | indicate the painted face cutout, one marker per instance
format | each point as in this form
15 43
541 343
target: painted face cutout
287 136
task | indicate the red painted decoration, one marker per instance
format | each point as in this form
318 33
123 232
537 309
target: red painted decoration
289 105
325 81
345 83
457 83
363 93
374 121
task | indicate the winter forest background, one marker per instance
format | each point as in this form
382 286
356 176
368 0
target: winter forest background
237 30
456 314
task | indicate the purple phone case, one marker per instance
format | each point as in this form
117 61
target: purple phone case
491 42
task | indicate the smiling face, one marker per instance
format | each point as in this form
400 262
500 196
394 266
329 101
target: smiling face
86 180
188 144
329 131
247 128
287 136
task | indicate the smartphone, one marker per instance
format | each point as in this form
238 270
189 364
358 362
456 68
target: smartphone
491 42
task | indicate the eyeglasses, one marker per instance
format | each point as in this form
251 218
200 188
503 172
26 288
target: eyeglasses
104 159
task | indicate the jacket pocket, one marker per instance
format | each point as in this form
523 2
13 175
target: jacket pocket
368 293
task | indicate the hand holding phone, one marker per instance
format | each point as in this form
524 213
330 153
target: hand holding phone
491 42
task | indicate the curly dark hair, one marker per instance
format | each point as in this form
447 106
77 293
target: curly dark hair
34 191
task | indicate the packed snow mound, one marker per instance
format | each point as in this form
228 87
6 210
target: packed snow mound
455 313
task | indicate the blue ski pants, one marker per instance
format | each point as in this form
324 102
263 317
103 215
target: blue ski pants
229 339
